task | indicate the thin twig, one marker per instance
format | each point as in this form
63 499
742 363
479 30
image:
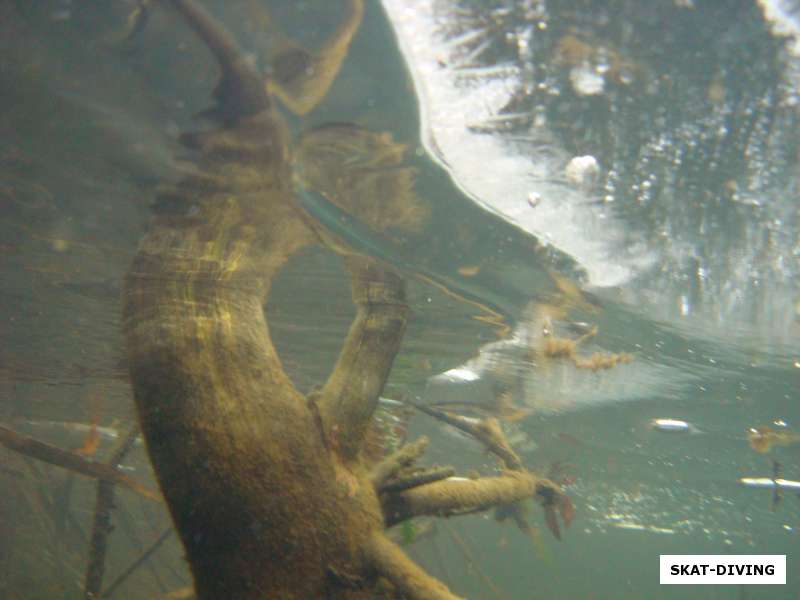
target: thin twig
70 461
178 574
137 563
124 447
473 564
131 529
437 555
102 527
63 496
487 431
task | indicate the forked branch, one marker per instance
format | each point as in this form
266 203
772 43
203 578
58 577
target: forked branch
240 92
300 78
487 431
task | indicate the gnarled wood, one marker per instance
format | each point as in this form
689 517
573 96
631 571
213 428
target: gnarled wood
268 489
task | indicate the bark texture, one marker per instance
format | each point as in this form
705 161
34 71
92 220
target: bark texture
268 488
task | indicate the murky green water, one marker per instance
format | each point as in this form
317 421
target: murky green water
686 241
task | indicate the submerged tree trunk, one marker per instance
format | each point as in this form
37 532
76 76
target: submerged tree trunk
268 488
240 454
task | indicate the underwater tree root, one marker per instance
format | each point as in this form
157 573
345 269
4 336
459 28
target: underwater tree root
410 579
489 432
270 490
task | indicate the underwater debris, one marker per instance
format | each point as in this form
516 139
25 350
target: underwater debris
70 461
487 431
501 406
673 426
586 81
557 347
469 270
634 526
92 441
556 504
592 63
559 502
143 558
599 361
762 439
458 374
86 439
550 495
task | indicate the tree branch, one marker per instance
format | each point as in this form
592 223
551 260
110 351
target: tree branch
240 92
137 563
101 523
413 583
349 397
70 461
302 90
487 431
458 495
390 465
